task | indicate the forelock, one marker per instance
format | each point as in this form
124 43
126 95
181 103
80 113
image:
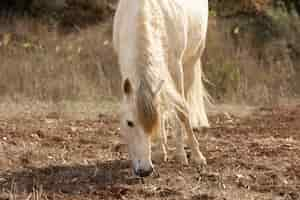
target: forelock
147 110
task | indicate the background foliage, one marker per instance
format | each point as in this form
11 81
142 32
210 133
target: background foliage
61 49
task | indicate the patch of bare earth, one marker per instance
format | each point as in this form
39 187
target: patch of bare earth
52 157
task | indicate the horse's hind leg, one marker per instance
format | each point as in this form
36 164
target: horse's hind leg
195 95
197 156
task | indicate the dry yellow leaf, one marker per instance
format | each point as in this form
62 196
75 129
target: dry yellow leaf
6 39
26 45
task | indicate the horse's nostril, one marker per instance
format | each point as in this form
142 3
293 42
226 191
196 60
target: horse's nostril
144 173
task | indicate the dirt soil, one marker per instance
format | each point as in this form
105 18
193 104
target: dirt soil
55 157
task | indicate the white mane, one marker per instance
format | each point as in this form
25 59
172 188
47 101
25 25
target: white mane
159 45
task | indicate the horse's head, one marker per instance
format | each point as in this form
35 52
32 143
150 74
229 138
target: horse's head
140 120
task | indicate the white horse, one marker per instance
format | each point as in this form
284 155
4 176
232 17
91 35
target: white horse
159 44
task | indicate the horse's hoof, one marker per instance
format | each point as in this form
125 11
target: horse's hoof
182 160
199 159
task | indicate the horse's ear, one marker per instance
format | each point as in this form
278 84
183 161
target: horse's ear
127 87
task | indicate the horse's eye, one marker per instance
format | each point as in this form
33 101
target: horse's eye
130 124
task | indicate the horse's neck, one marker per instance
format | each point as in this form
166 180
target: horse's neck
146 48
150 34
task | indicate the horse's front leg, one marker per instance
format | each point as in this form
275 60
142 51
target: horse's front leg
161 154
180 156
178 76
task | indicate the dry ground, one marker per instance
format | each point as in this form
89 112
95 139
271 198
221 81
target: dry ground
56 156
51 152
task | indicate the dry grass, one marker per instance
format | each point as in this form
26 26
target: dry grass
246 64
233 7
41 62
69 56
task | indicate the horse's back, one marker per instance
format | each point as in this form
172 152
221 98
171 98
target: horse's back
186 24
181 14
181 28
